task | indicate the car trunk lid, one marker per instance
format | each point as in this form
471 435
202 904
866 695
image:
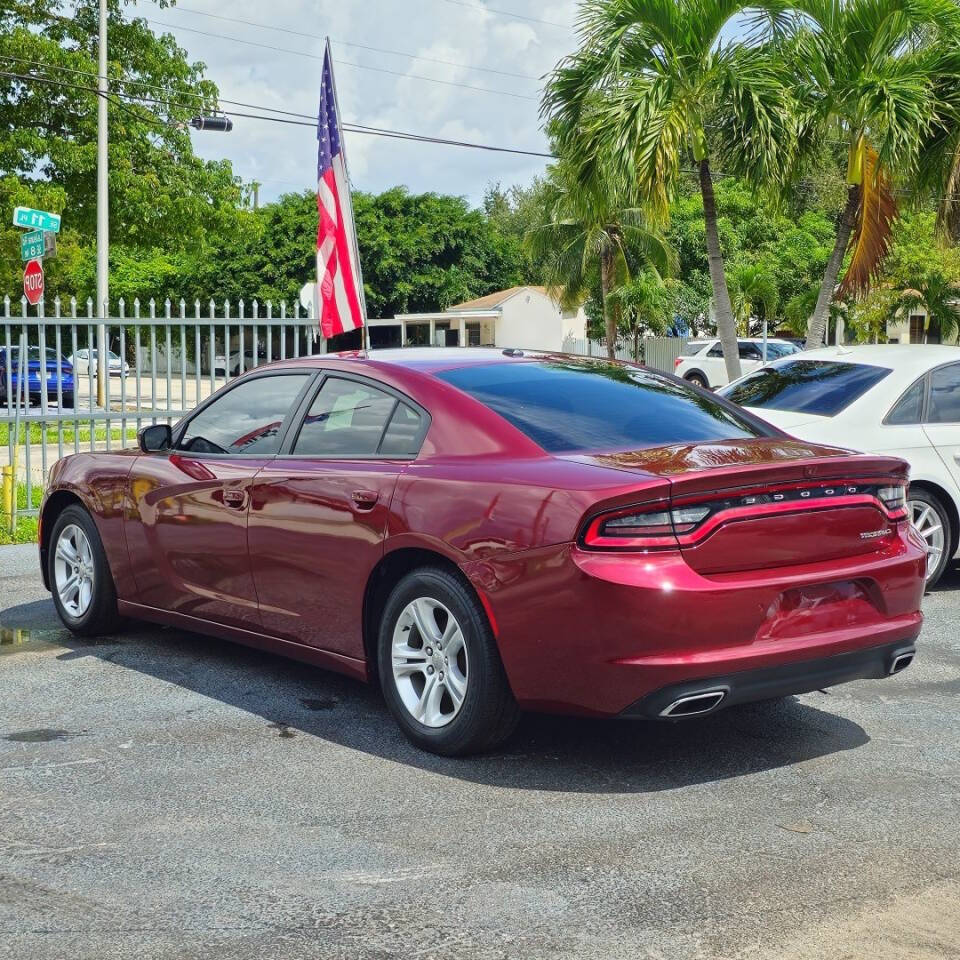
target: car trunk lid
767 502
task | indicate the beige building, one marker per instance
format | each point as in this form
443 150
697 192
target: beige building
524 316
908 327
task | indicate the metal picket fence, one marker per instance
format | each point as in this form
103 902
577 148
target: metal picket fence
167 358
656 352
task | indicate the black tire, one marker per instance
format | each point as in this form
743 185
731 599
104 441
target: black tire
101 615
68 400
919 494
698 379
489 713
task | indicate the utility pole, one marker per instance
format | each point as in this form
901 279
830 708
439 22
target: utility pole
103 212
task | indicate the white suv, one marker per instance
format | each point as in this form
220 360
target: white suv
702 362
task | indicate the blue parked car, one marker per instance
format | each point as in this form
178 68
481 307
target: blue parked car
36 380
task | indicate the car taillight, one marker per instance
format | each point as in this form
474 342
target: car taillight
894 498
642 527
677 361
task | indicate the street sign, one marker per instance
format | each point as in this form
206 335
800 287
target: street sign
33 282
36 219
32 245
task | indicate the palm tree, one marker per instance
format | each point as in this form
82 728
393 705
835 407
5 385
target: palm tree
939 172
581 232
644 305
939 296
641 89
752 286
866 71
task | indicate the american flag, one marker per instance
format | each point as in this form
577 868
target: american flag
337 269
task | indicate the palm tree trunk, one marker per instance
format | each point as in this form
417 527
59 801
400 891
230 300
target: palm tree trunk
726 325
818 322
609 316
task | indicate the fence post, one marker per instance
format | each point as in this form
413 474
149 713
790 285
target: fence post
8 497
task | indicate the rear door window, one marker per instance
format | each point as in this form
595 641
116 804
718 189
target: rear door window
945 395
352 419
819 387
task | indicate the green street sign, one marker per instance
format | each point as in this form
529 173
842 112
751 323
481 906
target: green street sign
36 219
32 245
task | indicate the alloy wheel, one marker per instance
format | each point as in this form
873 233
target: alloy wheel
74 570
429 657
927 523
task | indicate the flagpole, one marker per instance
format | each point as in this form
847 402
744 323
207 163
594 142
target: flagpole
353 222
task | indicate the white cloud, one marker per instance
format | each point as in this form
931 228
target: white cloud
283 157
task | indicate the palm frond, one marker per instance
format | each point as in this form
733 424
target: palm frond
873 232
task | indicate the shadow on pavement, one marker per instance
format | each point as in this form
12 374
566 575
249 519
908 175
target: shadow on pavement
546 753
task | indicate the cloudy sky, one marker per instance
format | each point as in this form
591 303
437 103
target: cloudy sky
503 46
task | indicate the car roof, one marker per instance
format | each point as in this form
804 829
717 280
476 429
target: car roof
909 360
431 360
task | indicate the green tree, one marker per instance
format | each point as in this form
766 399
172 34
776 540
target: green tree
642 88
162 196
752 288
866 70
644 306
582 231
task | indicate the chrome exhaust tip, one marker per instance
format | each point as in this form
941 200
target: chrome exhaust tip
900 661
694 704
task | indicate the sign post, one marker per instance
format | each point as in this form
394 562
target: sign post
33 282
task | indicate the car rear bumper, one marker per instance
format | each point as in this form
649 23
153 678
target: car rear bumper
598 633
709 694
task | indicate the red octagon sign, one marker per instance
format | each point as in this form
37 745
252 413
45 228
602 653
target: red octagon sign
33 282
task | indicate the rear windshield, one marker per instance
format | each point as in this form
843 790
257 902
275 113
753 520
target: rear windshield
777 350
579 406
820 387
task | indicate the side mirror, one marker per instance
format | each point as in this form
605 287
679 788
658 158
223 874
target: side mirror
155 438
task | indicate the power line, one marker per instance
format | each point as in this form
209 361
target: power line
345 63
509 13
348 43
308 121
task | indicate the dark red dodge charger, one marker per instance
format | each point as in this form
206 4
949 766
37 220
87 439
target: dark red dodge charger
488 531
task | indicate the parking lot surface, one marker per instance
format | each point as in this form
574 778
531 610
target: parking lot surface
166 795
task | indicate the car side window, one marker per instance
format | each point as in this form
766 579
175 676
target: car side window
346 419
945 395
246 419
749 351
716 350
909 408
402 437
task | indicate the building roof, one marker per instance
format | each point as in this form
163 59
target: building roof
495 299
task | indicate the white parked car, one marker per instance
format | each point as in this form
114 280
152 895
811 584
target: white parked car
85 362
702 360
221 367
900 399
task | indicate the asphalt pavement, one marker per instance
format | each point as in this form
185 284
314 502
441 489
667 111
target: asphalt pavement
165 795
